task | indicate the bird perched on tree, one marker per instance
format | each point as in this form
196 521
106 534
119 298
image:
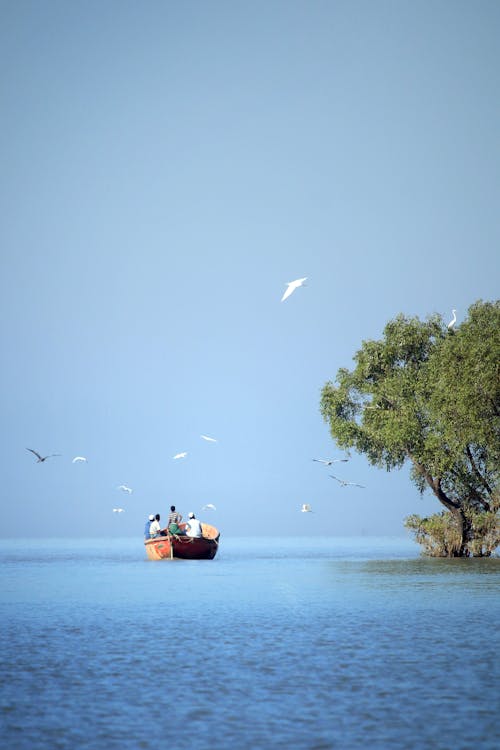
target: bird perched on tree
452 322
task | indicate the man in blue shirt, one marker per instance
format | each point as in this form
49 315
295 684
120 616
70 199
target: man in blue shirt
146 527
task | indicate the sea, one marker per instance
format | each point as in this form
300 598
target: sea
294 643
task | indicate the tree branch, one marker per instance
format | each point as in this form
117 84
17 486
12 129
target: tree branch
476 471
472 491
435 485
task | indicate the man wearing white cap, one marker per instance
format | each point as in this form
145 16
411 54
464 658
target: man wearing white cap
155 528
193 526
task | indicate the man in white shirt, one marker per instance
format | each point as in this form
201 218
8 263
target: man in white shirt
154 529
193 526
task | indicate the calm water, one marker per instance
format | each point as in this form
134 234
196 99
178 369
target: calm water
330 643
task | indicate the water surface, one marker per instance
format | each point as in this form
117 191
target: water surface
312 643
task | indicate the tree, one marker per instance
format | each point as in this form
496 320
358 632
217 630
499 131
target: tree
430 396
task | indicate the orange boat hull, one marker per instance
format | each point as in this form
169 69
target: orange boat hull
184 547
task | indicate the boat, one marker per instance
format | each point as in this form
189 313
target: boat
170 546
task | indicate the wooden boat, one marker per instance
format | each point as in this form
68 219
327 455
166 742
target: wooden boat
185 547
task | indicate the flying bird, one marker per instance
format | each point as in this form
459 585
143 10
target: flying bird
209 506
452 322
118 510
78 459
124 488
41 458
292 286
343 482
208 439
180 455
330 461
306 508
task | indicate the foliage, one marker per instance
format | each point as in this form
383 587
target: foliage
440 534
431 396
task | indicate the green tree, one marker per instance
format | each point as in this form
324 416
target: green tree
431 396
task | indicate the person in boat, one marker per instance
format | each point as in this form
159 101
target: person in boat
162 531
155 528
147 527
174 520
194 526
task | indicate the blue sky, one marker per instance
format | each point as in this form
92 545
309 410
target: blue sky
167 168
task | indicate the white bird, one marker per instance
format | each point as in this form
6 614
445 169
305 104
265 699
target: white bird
330 461
343 482
209 439
180 455
125 488
79 458
209 506
306 508
292 286
118 510
41 458
452 322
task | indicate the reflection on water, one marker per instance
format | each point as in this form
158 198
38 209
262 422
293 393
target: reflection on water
454 568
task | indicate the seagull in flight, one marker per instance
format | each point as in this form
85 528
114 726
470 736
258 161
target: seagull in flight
209 439
452 322
118 510
180 455
343 482
209 506
330 461
41 458
79 459
125 488
292 286
306 508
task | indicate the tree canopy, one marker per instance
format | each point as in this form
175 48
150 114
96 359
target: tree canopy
430 395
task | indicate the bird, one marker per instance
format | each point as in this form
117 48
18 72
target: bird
209 439
118 510
452 322
125 488
209 506
343 482
329 461
306 508
78 459
180 455
42 458
292 286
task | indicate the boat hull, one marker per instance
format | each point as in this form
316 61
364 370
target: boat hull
184 547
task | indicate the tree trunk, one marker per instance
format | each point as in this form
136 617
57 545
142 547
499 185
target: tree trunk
466 533
453 506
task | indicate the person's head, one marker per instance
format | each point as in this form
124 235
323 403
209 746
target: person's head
172 508
191 514
157 516
151 518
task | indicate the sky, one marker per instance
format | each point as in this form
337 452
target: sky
167 168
